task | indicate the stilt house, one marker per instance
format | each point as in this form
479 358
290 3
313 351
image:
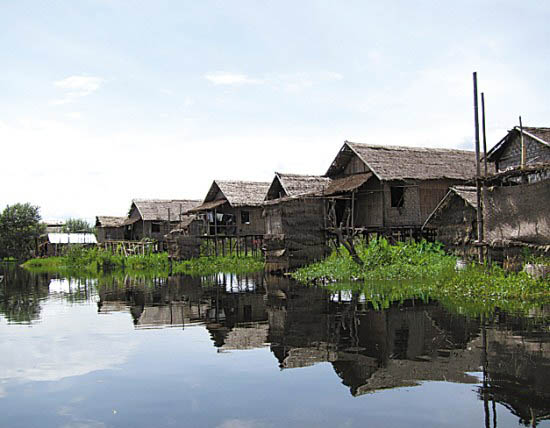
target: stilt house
294 221
154 218
507 153
384 187
454 220
109 228
233 208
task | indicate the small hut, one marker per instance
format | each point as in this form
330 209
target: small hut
154 218
507 153
109 228
53 226
454 220
233 208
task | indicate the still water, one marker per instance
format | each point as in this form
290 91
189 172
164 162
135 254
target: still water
258 351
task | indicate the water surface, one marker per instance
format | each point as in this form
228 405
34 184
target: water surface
259 351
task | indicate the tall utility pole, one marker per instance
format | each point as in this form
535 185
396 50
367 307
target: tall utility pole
478 175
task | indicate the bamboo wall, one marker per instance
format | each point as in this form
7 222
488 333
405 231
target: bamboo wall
518 213
294 233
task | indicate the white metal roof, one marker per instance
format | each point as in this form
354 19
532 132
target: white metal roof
72 238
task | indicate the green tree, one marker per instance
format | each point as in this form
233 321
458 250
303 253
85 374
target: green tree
75 225
20 229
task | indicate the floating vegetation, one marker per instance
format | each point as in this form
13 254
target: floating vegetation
423 271
382 261
81 262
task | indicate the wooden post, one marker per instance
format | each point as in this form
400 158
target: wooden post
484 135
353 210
478 174
523 148
215 222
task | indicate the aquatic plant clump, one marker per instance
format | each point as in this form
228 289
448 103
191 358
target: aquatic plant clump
381 261
423 271
95 261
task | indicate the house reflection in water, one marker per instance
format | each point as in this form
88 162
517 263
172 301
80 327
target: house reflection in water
370 350
232 308
517 367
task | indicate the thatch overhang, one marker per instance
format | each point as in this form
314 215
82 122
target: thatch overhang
109 221
394 163
346 184
162 209
237 193
538 134
206 206
466 193
284 185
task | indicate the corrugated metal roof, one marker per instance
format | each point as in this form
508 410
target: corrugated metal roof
72 238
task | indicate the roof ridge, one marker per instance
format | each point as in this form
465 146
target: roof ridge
418 148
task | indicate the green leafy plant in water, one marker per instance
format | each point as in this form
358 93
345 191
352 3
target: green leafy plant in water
394 273
404 260
90 262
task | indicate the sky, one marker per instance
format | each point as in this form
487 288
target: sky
104 101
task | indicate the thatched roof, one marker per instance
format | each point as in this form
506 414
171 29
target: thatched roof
400 163
538 134
295 184
467 193
157 209
236 193
109 221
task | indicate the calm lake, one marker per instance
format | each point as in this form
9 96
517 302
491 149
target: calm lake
259 351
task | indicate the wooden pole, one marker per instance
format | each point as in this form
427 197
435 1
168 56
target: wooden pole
523 148
478 173
484 135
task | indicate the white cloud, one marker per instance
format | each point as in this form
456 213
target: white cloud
291 81
242 423
77 87
227 78
67 152
74 115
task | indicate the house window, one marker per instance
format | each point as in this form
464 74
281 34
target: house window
155 227
245 217
397 196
